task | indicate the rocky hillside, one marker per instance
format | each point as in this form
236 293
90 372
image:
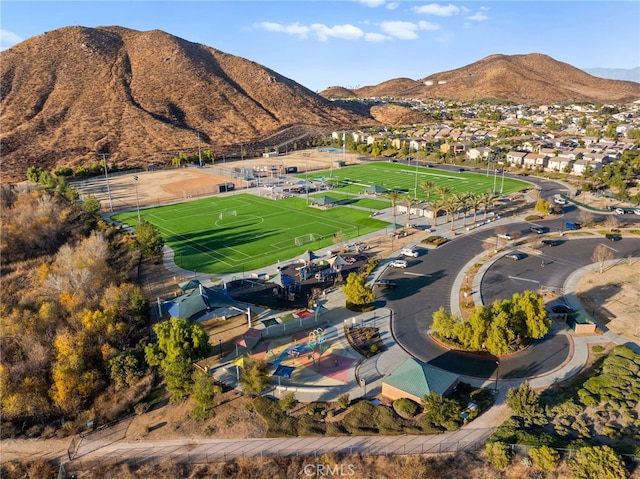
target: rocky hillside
70 95
532 79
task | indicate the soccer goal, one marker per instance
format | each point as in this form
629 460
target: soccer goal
227 214
304 239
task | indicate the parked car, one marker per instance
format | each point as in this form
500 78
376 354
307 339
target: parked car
551 242
515 256
398 263
637 211
536 229
562 309
460 170
613 236
506 236
619 211
559 201
385 283
409 252
572 226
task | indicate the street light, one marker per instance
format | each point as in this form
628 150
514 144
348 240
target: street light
497 374
135 177
106 175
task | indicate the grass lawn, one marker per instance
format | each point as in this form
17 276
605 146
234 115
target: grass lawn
395 176
347 199
260 233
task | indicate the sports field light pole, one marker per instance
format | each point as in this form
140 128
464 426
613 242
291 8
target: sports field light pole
415 185
106 175
306 180
495 175
502 185
199 153
135 178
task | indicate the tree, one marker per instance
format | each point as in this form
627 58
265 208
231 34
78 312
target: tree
524 403
542 206
410 203
474 202
499 454
287 402
204 394
528 315
601 255
254 377
462 202
444 323
179 344
499 334
488 198
585 216
545 458
393 196
125 368
149 239
91 204
441 411
597 462
356 291
611 222
427 187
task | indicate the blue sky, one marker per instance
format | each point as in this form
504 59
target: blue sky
361 42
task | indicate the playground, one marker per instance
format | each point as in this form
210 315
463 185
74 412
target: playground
310 358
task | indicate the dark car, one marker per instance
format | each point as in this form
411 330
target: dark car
573 226
613 236
562 309
536 229
515 256
460 170
551 242
385 283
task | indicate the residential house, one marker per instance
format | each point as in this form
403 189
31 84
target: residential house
478 153
534 160
558 163
455 148
516 158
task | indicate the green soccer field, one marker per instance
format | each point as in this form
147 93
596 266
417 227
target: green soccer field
234 234
395 176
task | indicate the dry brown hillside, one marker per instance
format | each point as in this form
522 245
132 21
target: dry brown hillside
71 94
532 79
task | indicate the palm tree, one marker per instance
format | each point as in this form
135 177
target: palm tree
443 191
461 200
451 206
474 203
488 198
410 202
393 196
427 187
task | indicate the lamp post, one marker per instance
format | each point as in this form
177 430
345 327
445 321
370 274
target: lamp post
363 383
497 374
135 178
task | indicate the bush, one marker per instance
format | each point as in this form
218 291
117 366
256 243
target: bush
405 407
499 454
545 458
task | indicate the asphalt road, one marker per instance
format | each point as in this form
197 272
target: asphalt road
425 285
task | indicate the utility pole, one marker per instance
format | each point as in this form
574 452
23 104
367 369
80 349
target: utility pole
106 175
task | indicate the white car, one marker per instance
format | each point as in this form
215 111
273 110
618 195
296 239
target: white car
637 212
618 211
505 236
409 252
398 263
559 201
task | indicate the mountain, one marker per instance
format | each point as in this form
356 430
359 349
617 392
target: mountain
532 78
627 74
70 95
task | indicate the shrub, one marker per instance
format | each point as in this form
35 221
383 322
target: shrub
405 407
344 401
545 458
499 454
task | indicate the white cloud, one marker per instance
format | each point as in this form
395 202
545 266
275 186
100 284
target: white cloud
345 32
293 29
392 5
478 17
8 39
400 29
376 37
438 10
424 25
371 3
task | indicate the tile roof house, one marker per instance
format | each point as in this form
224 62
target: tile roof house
516 157
414 379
